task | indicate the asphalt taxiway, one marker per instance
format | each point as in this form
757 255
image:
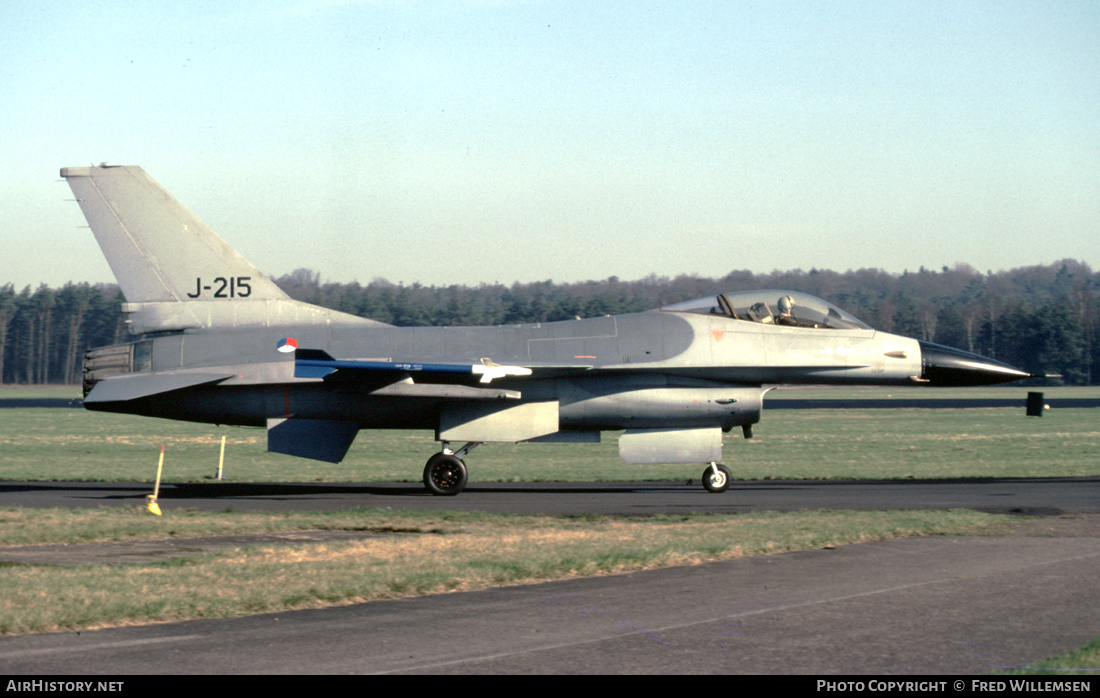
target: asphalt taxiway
1029 496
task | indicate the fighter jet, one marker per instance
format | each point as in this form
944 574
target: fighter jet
216 341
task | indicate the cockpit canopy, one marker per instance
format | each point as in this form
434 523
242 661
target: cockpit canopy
789 308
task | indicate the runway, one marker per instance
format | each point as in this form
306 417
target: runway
1029 496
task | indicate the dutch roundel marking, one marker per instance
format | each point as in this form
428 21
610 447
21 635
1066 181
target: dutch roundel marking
287 345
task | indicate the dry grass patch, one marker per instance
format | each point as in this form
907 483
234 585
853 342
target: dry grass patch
462 552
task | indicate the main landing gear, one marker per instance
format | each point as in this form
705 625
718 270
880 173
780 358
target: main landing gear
445 472
716 478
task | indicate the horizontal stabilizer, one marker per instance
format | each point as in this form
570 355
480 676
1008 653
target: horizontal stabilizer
315 363
320 439
132 386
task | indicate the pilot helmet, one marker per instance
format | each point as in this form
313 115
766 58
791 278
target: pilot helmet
786 304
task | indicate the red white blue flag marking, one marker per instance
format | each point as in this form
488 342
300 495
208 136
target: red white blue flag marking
288 345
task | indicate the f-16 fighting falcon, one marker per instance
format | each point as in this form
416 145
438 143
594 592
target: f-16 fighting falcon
216 341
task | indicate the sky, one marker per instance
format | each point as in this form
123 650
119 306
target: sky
444 142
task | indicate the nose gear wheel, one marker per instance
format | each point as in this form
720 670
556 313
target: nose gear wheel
716 478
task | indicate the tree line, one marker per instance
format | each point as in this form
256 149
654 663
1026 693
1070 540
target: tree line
1044 319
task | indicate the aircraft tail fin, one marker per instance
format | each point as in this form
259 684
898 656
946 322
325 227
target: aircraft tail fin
158 250
175 272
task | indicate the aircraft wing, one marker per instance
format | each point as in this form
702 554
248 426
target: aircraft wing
316 363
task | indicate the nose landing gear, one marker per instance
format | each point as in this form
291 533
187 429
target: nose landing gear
716 478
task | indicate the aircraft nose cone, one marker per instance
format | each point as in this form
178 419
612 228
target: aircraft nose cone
942 365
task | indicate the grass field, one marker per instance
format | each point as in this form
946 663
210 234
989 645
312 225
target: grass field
74 444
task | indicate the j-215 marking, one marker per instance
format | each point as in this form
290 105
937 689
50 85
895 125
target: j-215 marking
231 287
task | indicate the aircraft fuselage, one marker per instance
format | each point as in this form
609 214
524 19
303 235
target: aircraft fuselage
645 370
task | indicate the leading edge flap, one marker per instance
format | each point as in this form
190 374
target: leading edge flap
316 363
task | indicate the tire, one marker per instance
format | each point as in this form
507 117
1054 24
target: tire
717 482
444 475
